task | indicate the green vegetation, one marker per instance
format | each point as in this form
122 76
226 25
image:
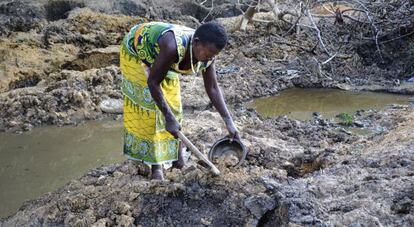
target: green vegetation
346 119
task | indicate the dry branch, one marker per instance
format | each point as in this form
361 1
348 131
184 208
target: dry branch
209 12
254 8
376 31
247 16
318 32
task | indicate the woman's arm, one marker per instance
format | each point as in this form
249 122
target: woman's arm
216 97
158 72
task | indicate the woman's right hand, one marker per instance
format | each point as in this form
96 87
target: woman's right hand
233 132
172 125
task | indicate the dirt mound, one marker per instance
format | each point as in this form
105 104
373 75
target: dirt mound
73 43
67 97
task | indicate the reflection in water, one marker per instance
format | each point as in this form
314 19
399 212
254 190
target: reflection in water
301 103
45 159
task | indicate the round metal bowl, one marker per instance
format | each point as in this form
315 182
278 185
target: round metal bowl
228 148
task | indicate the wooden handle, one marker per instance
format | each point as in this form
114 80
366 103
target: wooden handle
200 155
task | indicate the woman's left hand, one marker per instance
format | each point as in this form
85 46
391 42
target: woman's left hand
233 133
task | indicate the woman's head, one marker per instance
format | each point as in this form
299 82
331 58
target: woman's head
209 39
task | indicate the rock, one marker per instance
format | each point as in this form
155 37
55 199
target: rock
118 117
316 115
358 124
205 221
259 204
292 74
271 183
345 87
132 196
118 174
114 106
13 124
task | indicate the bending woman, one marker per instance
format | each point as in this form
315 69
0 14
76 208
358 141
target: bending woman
153 57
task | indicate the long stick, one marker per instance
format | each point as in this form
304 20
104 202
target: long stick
200 155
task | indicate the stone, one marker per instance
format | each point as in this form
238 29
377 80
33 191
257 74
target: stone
205 221
259 204
359 124
114 106
345 87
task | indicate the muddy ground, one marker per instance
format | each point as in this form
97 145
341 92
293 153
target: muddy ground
59 62
297 173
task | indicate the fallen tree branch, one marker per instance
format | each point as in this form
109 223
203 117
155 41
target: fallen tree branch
209 12
261 21
376 31
284 13
318 32
329 59
253 8
397 38
297 20
247 16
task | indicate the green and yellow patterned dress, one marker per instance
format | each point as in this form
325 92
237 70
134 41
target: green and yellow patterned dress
145 137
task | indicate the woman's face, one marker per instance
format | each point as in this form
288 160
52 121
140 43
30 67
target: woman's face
204 51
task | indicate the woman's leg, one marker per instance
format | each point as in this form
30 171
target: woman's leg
156 172
179 164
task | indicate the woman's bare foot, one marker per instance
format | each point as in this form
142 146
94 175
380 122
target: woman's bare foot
156 172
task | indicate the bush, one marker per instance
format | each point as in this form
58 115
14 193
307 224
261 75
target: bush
346 119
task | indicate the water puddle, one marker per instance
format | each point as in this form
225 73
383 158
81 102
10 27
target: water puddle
299 103
44 159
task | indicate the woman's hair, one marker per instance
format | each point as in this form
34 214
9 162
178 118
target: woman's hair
212 32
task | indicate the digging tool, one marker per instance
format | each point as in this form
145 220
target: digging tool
200 155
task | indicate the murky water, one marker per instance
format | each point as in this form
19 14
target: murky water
44 159
301 103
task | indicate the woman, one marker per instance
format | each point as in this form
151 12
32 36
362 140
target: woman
153 56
